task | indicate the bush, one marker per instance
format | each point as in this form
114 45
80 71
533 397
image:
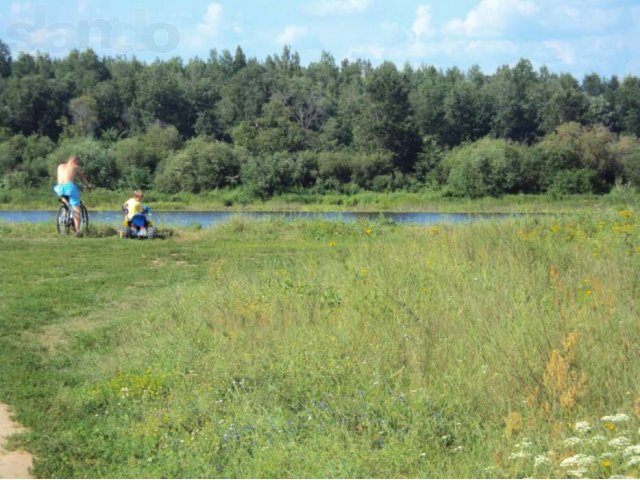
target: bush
267 175
202 165
627 151
569 182
95 160
486 167
135 162
573 147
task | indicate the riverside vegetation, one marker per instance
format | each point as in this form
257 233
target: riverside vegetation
320 349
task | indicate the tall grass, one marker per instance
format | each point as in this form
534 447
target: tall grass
317 349
240 199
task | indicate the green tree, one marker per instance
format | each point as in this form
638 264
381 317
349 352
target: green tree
160 97
513 91
243 97
385 118
34 104
628 105
564 103
5 60
84 112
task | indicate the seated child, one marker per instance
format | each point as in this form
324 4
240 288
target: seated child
133 206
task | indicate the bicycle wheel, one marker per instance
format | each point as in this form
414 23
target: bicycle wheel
84 219
62 220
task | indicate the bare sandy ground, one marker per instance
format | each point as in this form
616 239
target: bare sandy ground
13 464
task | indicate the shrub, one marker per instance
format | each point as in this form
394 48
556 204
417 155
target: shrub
95 160
627 152
202 165
573 147
486 167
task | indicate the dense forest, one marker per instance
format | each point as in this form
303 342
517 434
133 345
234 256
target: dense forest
275 125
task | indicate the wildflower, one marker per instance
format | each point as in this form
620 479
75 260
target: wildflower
610 426
332 243
619 442
596 439
572 442
524 444
631 450
634 461
368 231
541 461
625 213
580 460
617 418
606 463
555 228
577 473
519 455
582 427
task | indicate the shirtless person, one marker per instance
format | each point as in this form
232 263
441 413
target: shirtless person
67 173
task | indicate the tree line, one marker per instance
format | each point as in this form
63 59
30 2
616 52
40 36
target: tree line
275 125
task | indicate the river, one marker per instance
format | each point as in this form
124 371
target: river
206 219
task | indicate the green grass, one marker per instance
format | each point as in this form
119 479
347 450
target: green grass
319 349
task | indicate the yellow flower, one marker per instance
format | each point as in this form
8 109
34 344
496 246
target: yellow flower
606 463
332 243
610 426
625 213
555 228
368 231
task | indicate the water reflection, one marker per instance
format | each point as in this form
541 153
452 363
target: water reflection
206 219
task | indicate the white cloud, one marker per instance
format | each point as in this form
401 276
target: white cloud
563 51
492 17
422 24
325 8
212 21
290 34
368 51
582 18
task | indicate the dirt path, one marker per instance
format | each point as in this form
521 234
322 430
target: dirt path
12 464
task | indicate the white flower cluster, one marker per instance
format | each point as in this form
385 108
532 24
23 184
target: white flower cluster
617 418
579 460
519 455
577 473
632 450
541 461
619 442
582 427
572 442
596 439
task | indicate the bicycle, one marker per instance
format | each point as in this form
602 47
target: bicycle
64 218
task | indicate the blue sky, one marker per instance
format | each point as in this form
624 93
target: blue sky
568 36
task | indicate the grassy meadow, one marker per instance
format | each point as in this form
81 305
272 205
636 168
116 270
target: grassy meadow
320 349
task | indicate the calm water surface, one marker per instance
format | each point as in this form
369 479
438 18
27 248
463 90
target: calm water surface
206 219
